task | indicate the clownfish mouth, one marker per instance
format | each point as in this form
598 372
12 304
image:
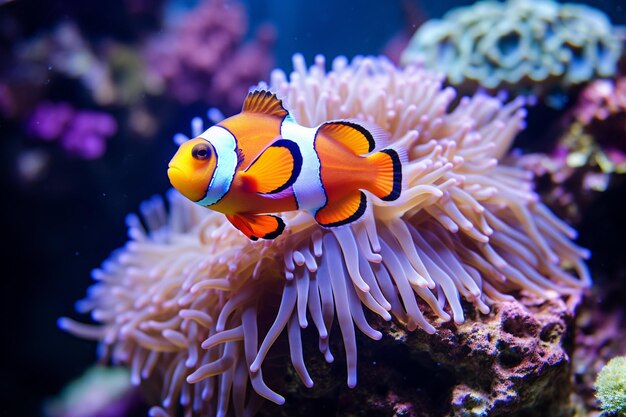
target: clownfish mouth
185 183
177 177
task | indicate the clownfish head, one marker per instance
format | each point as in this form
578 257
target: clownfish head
191 169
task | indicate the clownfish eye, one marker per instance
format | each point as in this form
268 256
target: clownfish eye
201 151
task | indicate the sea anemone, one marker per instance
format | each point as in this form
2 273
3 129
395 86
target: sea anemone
191 305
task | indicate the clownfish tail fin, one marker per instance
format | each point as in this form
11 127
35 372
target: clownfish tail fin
386 165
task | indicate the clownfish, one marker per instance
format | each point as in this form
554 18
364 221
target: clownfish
261 162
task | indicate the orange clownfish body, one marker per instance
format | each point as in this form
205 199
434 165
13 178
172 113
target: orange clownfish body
261 161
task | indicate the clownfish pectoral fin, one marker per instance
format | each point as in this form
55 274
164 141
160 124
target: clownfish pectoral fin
360 137
263 101
275 170
343 211
258 226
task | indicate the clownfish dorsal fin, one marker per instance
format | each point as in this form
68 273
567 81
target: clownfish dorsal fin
257 226
275 169
265 102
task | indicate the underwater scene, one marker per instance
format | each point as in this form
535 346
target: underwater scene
404 208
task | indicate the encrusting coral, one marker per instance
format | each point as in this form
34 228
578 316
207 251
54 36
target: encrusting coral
517 44
194 308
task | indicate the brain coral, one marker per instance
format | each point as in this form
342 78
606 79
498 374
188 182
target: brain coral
194 308
532 44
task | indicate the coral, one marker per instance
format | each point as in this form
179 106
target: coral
589 155
519 44
186 302
601 111
64 51
80 132
611 386
202 57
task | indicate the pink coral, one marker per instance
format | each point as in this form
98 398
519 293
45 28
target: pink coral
601 110
602 99
589 154
202 57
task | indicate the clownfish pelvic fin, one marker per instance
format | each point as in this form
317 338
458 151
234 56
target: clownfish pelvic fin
257 226
342 211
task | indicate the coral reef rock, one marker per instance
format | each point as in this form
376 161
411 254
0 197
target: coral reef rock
500 364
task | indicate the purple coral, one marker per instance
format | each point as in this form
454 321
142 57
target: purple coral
82 133
87 134
49 120
202 56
